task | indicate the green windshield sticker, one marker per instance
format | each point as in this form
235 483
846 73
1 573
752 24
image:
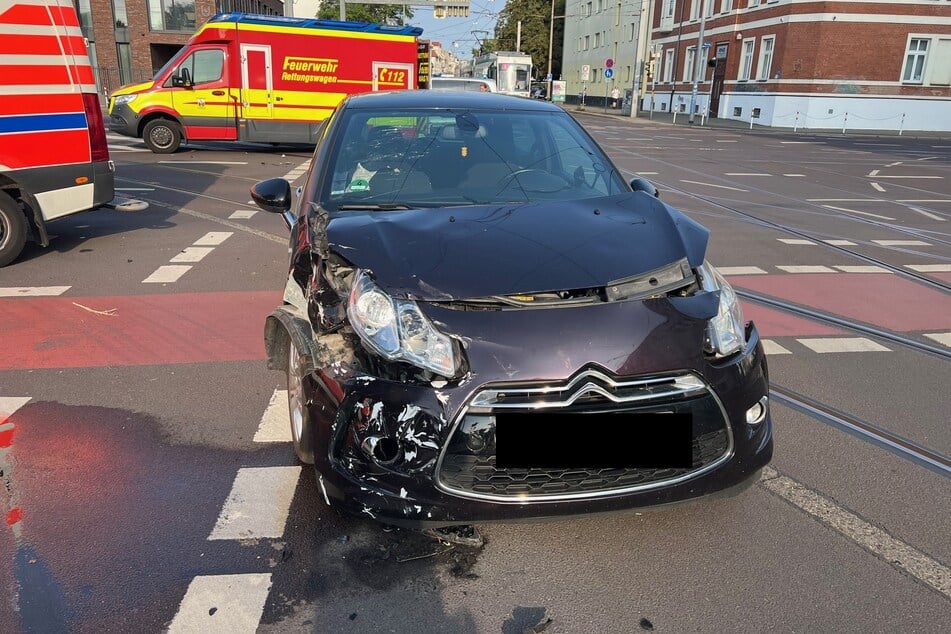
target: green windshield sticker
359 185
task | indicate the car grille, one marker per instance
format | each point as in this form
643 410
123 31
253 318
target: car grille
470 470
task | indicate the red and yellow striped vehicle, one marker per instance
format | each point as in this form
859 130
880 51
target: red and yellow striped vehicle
264 78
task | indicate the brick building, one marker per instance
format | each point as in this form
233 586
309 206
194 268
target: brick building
131 39
872 64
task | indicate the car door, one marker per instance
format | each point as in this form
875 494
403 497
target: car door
205 101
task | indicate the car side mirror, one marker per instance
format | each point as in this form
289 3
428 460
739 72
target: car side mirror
273 195
181 82
644 185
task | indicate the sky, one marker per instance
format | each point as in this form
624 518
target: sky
455 34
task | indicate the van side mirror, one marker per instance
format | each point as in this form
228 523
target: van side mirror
644 185
184 80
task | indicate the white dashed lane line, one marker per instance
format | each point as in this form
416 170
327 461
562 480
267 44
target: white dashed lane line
223 603
740 270
258 505
800 268
200 248
242 214
843 268
902 243
930 268
275 423
944 338
297 172
842 344
771 347
33 291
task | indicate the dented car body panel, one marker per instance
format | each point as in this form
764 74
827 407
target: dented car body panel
599 307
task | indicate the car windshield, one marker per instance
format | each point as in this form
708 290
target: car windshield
450 157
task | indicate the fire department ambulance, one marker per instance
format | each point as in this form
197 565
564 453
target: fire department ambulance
54 160
263 78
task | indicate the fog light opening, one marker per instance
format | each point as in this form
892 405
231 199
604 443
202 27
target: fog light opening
382 450
757 413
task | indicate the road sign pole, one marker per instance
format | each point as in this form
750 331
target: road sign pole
698 65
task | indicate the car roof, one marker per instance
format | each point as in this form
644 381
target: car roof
446 99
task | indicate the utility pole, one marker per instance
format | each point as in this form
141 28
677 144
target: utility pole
698 61
551 41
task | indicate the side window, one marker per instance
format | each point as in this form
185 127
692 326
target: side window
208 65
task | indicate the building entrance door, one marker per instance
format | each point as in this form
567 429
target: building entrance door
719 73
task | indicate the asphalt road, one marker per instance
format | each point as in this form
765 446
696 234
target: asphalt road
148 482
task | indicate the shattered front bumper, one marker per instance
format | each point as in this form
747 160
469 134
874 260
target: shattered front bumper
404 484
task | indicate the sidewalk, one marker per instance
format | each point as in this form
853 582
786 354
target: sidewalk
682 119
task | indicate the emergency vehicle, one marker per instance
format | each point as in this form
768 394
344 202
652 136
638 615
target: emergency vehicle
54 160
263 78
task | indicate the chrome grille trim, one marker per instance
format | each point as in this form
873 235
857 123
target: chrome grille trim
616 391
689 381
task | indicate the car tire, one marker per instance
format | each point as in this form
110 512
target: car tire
13 229
299 418
162 136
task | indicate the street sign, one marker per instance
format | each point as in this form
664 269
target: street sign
608 73
548 77
707 45
609 63
586 72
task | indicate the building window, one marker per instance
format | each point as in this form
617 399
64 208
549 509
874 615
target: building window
669 65
689 63
746 59
172 15
726 6
711 7
589 10
633 31
587 41
124 54
765 57
597 40
667 14
600 6
915 61
119 14
695 9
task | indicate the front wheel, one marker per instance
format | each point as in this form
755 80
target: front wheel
297 407
12 230
162 136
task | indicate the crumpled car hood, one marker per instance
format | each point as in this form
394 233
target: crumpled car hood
504 249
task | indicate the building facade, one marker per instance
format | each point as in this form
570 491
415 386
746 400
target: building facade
849 64
129 40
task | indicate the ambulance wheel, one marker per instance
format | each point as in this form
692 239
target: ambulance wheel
12 230
162 136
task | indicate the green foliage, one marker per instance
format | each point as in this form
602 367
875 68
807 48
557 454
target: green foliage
536 20
379 13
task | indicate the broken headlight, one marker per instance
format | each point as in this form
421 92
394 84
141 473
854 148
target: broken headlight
725 332
397 330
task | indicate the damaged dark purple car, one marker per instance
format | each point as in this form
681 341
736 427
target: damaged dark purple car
483 321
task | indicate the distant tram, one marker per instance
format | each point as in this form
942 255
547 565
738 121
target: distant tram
511 71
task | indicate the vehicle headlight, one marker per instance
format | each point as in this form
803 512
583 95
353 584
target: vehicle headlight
397 330
121 99
725 332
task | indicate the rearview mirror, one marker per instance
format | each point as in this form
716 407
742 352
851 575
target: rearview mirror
274 196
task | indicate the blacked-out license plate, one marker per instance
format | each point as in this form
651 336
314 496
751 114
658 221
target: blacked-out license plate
630 440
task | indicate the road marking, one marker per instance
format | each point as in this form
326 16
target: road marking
862 268
805 269
901 243
920 200
803 142
941 337
747 174
874 173
242 214
795 175
295 173
861 213
795 241
222 603
166 274
932 177
877 187
771 347
258 504
842 344
927 214
872 538
205 162
33 291
275 423
840 243
212 238
878 144
930 268
741 270
736 189
726 141
126 148
135 189
895 164
192 254
10 404
844 200
648 173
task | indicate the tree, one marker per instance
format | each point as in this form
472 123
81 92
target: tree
536 20
379 13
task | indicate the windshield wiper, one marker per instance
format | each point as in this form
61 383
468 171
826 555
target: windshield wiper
373 207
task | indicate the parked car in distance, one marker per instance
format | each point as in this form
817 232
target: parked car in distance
482 320
465 84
